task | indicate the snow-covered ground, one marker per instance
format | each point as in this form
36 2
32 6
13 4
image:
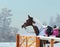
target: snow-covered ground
55 45
11 44
7 44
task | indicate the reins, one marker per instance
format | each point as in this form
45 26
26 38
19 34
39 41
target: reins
28 30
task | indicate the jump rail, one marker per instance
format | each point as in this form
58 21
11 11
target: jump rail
33 41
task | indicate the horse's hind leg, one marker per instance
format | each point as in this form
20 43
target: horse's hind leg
41 43
44 43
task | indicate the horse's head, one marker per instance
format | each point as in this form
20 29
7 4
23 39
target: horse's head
28 22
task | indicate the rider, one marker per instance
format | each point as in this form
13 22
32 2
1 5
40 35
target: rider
55 31
48 31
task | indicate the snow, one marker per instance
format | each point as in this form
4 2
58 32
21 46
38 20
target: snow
13 44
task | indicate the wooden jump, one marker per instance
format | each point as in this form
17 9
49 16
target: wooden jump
33 41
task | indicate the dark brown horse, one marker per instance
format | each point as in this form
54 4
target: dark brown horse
31 22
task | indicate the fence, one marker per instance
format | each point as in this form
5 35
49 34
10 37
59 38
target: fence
33 41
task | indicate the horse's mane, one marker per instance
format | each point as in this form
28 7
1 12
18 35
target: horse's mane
38 23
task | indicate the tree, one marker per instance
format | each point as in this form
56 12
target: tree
6 34
51 21
58 20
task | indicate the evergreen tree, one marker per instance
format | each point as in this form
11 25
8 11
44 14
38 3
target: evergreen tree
51 21
7 33
58 20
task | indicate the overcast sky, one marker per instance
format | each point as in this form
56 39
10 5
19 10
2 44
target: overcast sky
41 9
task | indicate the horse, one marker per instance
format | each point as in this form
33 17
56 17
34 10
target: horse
38 27
31 22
